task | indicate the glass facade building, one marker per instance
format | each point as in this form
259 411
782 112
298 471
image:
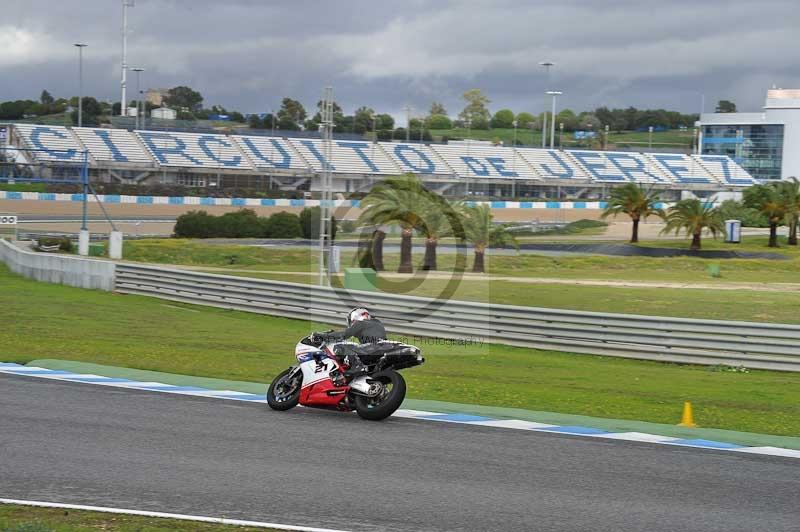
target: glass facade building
758 148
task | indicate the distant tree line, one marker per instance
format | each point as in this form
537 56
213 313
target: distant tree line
293 116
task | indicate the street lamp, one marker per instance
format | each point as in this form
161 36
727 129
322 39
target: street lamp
650 137
514 123
553 121
138 70
80 47
546 65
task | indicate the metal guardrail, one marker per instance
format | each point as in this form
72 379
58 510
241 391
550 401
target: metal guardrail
754 345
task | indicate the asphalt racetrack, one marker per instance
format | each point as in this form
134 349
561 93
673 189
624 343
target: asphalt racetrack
95 445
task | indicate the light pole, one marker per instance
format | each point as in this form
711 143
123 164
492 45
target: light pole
514 123
605 139
553 121
650 137
546 65
138 70
124 84
272 114
561 136
408 123
80 47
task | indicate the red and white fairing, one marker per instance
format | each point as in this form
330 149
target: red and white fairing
317 364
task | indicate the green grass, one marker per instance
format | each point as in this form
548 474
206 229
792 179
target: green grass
23 187
16 518
674 138
747 305
52 321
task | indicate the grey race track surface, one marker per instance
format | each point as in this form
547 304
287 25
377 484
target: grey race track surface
85 444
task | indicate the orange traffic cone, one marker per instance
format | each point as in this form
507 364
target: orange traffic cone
687 420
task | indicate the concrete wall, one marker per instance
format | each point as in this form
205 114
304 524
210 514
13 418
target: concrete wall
58 269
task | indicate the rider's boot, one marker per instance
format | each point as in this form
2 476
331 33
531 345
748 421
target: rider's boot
356 367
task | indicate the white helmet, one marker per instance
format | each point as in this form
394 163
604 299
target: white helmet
358 314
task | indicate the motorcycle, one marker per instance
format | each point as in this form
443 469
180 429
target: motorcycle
318 380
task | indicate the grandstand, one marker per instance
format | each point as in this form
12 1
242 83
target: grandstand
290 163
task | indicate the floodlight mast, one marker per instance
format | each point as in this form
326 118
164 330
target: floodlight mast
546 65
325 230
123 108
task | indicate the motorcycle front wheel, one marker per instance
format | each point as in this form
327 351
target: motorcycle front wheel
384 404
284 392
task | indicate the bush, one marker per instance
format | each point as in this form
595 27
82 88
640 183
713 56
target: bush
244 223
309 223
348 226
282 225
63 243
503 118
735 210
196 224
440 122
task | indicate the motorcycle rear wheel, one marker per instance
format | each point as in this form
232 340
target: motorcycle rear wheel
284 393
383 406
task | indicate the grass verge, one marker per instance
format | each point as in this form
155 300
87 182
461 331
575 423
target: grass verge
51 321
17 518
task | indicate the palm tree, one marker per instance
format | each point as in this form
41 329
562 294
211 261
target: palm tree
482 233
636 202
395 201
770 201
790 191
692 216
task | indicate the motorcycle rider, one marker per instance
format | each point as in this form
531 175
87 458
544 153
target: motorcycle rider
362 325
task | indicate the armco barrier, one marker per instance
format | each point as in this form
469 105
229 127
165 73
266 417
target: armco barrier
59 269
755 345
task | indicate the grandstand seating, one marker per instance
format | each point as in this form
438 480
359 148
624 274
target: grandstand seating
270 152
50 143
154 149
725 170
619 167
416 158
193 150
112 145
552 164
681 169
347 157
481 160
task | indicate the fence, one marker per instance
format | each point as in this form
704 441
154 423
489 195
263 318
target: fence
59 269
711 342
755 345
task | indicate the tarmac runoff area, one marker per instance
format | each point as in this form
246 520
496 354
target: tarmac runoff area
79 443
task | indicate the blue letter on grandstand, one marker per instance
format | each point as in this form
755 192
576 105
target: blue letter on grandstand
358 147
203 143
471 162
566 174
285 163
499 164
429 169
178 147
105 136
594 167
679 171
315 152
629 171
37 142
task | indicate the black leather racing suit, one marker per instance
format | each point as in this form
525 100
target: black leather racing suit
367 332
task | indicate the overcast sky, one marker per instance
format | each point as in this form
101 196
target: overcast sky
248 54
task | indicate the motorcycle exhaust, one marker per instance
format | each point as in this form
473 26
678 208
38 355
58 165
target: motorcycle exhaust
361 386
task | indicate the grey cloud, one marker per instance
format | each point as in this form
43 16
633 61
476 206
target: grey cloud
247 54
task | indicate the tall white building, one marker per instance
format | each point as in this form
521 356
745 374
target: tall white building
766 144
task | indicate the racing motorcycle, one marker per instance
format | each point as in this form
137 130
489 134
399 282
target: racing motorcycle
318 379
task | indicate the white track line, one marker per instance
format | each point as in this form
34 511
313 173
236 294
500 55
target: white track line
217 520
